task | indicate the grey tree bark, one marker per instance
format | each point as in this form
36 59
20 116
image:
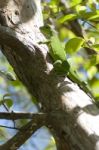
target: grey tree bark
71 115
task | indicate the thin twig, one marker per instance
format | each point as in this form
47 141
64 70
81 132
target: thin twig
2 126
5 107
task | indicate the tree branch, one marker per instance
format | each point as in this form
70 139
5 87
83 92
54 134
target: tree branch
25 132
19 115
11 39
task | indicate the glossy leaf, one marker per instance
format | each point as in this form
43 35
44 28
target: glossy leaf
68 17
6 95
91 72
94 17
75 2
94 59
54 2
73 45
96 47
86 15
8 102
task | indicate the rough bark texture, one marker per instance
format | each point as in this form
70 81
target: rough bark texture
71 112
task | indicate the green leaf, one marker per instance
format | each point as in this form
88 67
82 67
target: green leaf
95 88
7 75
94 59
10 76
1 102
68 17
54 6
54 2
81 9
86 15
75 2
91 72
96 47
94 17
6 95
9 102
73 45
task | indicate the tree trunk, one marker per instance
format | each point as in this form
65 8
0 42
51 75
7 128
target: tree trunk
72 114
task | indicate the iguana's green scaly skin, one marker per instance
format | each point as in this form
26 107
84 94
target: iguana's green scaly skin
58 54
62 66
82 84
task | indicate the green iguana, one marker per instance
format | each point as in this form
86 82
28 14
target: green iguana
61 65
57 52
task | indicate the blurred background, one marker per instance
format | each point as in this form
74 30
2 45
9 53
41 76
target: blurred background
77 25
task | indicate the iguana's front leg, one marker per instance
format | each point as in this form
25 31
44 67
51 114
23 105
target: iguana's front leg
61 68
